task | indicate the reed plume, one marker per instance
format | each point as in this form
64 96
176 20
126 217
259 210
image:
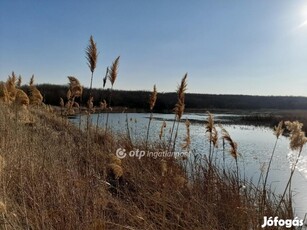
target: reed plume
91 56
19 81
152 102
11 87
75 87
233 148
297 136
179 108
278 131
21 97
113 71
104 80
102 105
214 137
4 95
297 142
112 75
36 97
209 129
187 139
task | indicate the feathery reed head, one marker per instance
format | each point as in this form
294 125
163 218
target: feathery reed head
36 97
4 95
21 97
75 87
182 88
233 145
19 81
297 136
179 109
187 139
278 130
113 71
105 78
153 98
13 77
210 123
11 87
91 54
32 80
214 137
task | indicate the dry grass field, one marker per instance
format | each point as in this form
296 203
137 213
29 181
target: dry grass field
57 176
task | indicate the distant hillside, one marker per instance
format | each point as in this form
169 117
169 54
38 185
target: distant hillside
166 101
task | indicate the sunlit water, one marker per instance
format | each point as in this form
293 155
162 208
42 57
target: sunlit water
255 144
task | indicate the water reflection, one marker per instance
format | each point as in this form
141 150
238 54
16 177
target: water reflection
255 144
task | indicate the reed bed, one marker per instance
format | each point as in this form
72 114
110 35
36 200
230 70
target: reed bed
55 175
50 181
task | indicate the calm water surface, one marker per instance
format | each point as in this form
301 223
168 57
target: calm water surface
255 144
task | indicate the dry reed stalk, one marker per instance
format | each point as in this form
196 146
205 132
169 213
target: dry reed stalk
75 87
209 129
297 142
91 56
179 108
102 105
22 98
278 131
187 139
112 76
233 149
36 97
11 87
75 91
4 94
152 102
104 80
113 71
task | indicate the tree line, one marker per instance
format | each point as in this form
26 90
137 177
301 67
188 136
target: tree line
166 101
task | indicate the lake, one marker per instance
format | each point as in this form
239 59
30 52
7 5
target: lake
255 144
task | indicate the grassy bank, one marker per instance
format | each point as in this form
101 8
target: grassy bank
54 176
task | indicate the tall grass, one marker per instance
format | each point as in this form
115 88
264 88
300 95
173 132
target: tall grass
55 176
152 102
55 183
112 76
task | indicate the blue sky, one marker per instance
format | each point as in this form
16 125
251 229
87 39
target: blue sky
227 47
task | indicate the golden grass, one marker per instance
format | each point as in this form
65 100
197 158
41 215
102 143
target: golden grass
56 176
153 98
114 71
52 179
92 54
36 98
